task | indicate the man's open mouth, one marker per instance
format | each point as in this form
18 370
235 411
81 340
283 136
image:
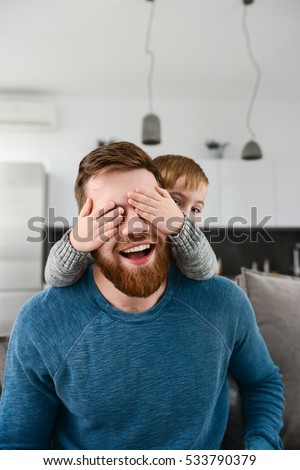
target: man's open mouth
138 252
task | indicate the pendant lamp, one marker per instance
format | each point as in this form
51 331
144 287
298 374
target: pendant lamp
151 122
252 150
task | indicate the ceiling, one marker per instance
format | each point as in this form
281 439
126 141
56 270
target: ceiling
97 48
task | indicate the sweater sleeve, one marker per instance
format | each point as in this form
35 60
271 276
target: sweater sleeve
28 403
65 265
192 252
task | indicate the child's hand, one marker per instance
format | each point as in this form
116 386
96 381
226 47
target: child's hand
158 208
93 228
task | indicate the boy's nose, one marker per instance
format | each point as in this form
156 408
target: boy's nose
132 224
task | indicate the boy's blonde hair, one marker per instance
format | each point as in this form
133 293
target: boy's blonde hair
173 167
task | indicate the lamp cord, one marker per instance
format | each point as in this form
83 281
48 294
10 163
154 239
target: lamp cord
257 69
152 56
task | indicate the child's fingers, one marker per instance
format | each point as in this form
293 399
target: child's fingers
110 226
104 234
113 217
107 235
140 190
143 207
151 194
136 198
145 215
86 208
107 208
163 192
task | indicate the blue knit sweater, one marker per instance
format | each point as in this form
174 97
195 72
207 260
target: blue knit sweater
84 375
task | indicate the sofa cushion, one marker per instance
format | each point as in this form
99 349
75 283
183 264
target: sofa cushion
276 302
3 350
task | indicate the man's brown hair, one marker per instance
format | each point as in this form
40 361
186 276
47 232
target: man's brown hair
118 156
172 167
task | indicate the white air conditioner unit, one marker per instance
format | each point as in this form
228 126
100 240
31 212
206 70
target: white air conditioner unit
27 115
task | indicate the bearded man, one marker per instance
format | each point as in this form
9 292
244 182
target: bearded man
134 355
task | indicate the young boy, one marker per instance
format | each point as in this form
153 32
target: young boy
175 211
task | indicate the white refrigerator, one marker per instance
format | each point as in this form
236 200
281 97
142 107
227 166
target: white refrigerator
22 236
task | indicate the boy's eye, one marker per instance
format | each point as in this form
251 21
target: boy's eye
176 201
196 210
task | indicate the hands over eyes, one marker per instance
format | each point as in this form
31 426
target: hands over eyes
158 208
95 227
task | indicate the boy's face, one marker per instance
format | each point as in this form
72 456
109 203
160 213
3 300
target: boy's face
189 201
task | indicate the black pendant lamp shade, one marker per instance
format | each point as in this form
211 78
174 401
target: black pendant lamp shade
251 151
151 124
151 130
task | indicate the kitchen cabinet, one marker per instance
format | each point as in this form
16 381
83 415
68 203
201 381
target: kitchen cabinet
62 206
287 195
211 211
22 217
247 193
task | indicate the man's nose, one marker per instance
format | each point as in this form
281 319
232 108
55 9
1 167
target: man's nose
132 224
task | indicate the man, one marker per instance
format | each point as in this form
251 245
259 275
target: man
135 355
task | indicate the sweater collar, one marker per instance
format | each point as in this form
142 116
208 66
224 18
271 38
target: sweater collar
133 317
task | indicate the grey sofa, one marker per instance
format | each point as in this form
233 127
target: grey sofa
3 349
276 302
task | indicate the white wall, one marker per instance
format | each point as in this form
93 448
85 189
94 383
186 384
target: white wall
186 125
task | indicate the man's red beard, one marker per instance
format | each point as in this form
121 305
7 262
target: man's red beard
140 281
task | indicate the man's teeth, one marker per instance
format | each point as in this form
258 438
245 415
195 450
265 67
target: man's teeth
137 248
